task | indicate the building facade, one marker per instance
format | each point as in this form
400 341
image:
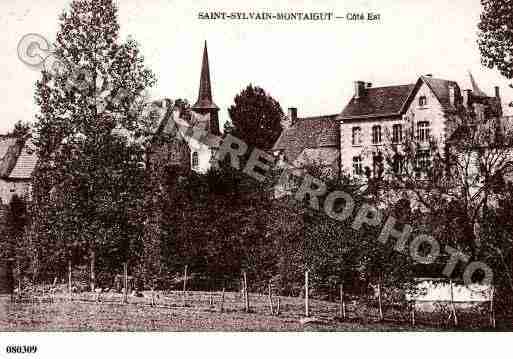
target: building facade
375 117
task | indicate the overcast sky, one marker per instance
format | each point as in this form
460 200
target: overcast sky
306 65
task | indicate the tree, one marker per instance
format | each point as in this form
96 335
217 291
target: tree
15 226
21 130
15 221
454 183
90 136
496 36
255 118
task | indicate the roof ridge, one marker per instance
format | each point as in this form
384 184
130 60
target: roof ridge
435 78
315 117
389 86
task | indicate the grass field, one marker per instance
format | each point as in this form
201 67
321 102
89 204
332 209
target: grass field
84 313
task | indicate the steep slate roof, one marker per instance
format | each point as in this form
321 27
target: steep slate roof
378 101
26 162
9 151
171 122
325 156
309 132
393 100
17 158
205 101
441 90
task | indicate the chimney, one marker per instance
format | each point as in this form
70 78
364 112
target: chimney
497 92
466 98
359 89
292 115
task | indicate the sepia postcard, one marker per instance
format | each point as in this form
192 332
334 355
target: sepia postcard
275 166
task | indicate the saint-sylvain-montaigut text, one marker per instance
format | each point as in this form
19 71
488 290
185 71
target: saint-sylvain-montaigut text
286 16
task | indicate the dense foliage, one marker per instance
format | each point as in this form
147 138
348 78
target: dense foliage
90 141
255 118
496 35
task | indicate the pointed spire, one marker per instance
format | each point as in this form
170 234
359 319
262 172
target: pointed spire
475 89
205 90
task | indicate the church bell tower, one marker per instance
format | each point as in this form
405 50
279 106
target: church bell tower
205 105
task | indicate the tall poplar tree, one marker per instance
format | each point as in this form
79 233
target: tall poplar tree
90 139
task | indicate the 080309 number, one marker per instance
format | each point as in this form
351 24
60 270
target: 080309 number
21 349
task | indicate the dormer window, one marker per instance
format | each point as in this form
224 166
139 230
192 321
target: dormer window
376 135
422 101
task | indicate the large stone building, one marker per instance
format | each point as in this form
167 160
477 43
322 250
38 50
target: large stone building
350 141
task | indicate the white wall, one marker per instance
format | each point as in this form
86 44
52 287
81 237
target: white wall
204 155
8 189
431 112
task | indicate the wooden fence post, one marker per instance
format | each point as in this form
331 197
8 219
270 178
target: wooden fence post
222 301
453 308
307 309
412 309
492 309
70 288
270 299
246 296
380 305
19 278
125 279
342 302
93 274
185 286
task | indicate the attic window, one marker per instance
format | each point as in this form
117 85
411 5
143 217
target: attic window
422 101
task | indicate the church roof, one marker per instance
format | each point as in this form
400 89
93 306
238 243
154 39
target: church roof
309 132
205 101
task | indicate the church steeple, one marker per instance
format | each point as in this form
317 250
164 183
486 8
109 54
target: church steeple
205 104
